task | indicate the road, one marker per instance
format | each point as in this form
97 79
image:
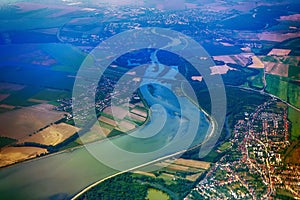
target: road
267 94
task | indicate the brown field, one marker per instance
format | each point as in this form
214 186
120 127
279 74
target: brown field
37 101
295 17
225 59
277 37
174 167
197 78
220 69
52 135
193 177
169 165
226 44
125 125
116 111
11 155
145 173
162 164
10 86
20 123
121 113
7 106
137 117
108 121
279 52
139 112
96 133
140 104
178 168
294 156
241 59
3 96
193 163
277 69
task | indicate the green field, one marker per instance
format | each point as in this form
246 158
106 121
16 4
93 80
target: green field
6 141
294 72
225 146
19 98
284 89
294 117
15 19
122 187
68 56
154 194
257 81
51 95
277 86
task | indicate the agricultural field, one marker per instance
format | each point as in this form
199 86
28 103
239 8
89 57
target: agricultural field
294 117
279 52
225 146
257 81
4 141
286 66
68 57
154 194
277 86
278 69
95 133
52 135
284 89
114 121
22 122
12 95
20 98
11 155
257 63
293 155
181 168
51 95
192 163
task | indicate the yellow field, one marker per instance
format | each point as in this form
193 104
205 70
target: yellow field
96 133
193 177
122 125
144 173
20 123
193 163
108 121
257 63
52 135
11 155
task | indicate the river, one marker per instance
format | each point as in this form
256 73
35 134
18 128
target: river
62 175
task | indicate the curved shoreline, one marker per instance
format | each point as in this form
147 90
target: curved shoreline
213 128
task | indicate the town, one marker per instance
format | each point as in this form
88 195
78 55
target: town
254 167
